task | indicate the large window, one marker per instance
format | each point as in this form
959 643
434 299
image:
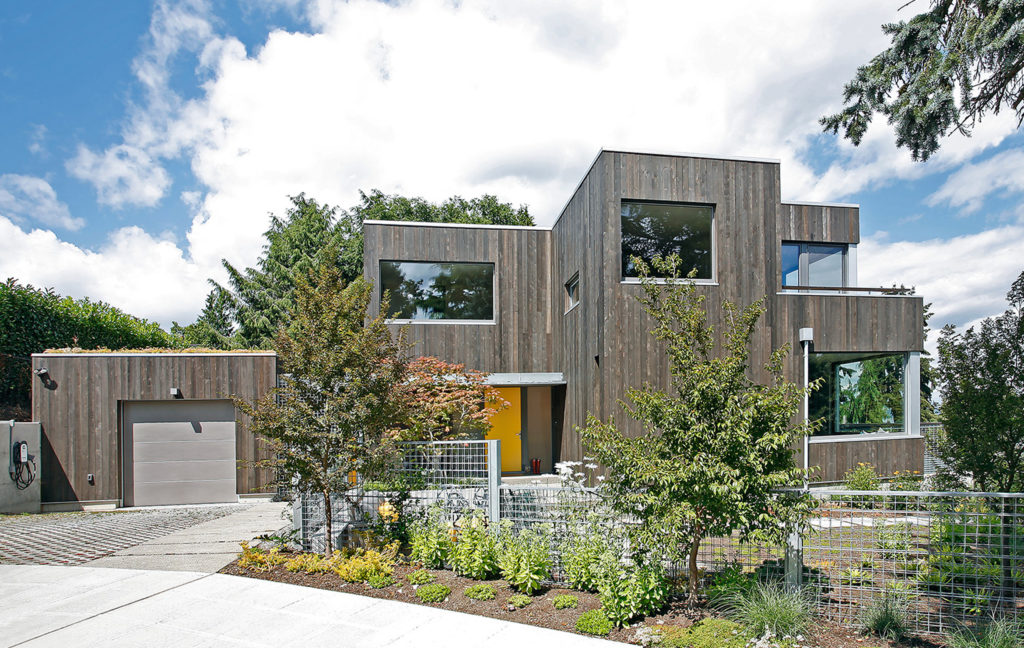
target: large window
659 229
820 265
439 291
861 393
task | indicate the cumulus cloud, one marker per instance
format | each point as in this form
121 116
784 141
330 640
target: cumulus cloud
132 270
27 198
435 98
970 185
965 278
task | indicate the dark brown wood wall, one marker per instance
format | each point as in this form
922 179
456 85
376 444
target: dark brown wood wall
520 339
80 412
819 223
834 459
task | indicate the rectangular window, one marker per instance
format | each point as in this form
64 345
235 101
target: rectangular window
439 291
572 292
861 393
652 229
818 265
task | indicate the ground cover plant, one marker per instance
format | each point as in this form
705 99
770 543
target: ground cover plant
481 592
433 593
594 622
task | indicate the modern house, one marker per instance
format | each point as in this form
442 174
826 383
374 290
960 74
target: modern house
551 312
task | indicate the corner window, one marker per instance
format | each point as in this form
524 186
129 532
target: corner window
651 229
572 292
818 265
439 291
861 393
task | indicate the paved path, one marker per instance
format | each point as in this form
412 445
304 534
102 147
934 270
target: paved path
76 538
204 547
86 606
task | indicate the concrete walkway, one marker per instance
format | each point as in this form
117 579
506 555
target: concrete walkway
205 547
86 606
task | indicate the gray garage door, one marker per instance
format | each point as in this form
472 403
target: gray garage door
179 452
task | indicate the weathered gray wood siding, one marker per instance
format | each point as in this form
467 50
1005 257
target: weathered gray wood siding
833 460
819 223
80 412
520 339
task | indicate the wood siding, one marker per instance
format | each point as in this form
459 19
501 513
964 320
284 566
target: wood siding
602 346
80 411
834 459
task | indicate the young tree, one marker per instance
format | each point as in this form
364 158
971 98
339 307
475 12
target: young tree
715 445
447 401
982 385
339 409
945 70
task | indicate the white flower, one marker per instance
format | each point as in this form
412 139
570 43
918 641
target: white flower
600 478
592 466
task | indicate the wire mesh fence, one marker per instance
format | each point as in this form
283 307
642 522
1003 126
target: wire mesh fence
455 476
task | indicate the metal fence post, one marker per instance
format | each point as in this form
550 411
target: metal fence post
794 562
494 480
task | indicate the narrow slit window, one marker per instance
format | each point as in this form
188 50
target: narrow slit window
572 292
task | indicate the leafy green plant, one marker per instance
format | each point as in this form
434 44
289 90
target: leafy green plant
480 592
475 554
582 551
364 563
861 478
974 601
565 601
311 563
420 577
594 622
257 560
524 558
770 608
628 592
379 580
707 633
996 633
887 617
430 539
854 576
726 582
895 539
519 601
433 593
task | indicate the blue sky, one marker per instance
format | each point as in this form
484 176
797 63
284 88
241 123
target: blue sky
142 142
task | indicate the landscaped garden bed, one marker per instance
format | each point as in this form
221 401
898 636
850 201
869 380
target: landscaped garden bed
541 610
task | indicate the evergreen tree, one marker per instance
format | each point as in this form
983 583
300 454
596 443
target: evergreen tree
945 70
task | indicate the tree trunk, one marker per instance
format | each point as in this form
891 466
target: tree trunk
694 576
329 524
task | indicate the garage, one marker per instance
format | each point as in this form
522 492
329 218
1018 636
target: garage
179 452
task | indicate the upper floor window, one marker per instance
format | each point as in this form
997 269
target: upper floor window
820 265
439 291
651 229
572 292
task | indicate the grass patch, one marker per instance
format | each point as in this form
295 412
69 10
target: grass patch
769 608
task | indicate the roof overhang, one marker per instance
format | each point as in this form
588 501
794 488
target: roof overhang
526 379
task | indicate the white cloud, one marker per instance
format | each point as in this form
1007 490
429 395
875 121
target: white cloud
37 141
132 270
970 185
965 278
29 198
435 98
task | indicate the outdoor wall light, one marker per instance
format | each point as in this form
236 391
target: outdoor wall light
176 393
42 372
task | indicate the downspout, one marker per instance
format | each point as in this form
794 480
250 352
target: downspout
806 338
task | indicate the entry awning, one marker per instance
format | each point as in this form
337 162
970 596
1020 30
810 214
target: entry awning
526 379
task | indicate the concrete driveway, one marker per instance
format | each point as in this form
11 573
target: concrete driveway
87 606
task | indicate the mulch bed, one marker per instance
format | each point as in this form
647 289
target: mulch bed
541 612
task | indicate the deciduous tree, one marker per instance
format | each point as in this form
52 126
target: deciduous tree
715 444
448 401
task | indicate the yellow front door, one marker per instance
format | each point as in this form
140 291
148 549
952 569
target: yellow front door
507 426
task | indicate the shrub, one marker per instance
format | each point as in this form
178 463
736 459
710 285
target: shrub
310 563
727 582
770 608
581 558
525 558
363 564
861 478
475 553
998 633
629 593
908 480
594 622
706 633
379 580
433 593
420 577
519 601
257 560
430 540
854 576
481 592
895 539
887 617
565 601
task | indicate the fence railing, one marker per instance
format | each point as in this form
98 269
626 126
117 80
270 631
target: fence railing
947 558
